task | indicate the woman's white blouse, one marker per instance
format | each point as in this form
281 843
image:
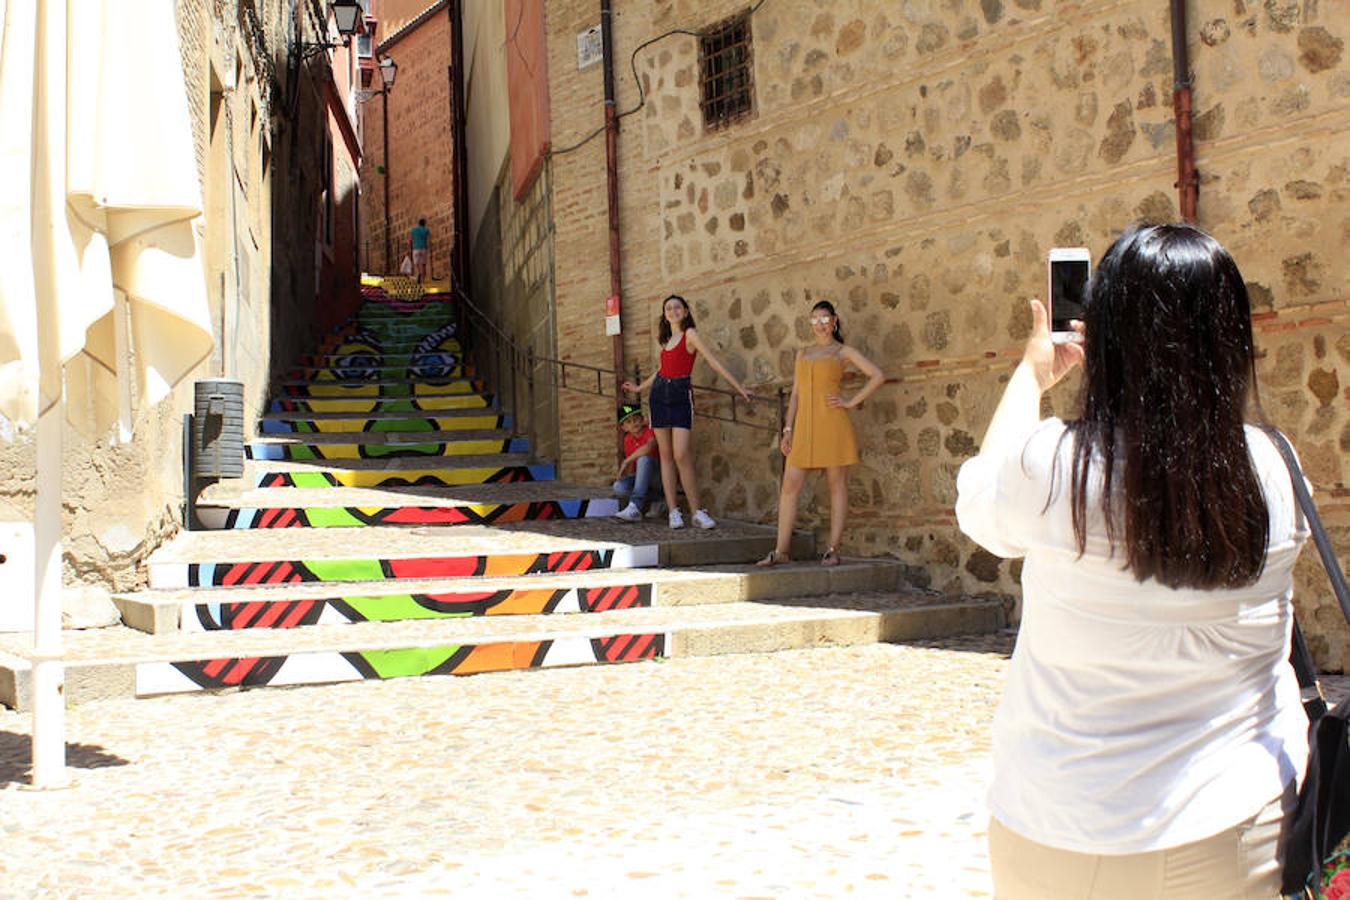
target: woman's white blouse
1135 717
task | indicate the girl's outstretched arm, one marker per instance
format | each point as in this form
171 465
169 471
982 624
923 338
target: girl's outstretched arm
691 338
633 388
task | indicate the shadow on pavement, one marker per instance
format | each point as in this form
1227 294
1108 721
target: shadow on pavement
16 758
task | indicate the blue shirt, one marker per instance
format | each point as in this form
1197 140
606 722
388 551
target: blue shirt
421 235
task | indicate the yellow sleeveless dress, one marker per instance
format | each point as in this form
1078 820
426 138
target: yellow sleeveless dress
822 435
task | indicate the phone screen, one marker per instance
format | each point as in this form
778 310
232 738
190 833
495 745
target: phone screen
1068 290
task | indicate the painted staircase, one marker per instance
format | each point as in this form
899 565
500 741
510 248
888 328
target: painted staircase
391 522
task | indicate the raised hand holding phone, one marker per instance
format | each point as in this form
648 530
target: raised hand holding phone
1067 272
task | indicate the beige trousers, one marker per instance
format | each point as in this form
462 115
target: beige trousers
1240 863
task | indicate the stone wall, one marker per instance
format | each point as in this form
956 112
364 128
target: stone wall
913 163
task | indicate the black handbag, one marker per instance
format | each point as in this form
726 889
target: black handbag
1322 818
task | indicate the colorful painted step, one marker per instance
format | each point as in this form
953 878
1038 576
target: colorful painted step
433 371
329 507
446 420
369 473
272 556
302 605
111 661
333 388
383 448
363 405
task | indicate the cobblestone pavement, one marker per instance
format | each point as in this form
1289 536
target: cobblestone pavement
851 772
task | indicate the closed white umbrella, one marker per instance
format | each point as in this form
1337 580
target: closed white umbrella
93 107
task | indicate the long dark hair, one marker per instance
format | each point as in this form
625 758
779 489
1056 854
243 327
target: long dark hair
1168 376
663 328
829 308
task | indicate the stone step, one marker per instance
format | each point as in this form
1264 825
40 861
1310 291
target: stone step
385 423
113 662
368 473
381 437
364 405
340 358
382 448
361 387
328 507
431 372
280 556
302 605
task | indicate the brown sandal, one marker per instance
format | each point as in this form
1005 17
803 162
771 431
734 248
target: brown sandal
774 559
830 557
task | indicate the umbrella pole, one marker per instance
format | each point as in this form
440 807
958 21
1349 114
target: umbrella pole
49 701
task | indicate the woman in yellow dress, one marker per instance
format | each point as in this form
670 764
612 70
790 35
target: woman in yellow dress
819 434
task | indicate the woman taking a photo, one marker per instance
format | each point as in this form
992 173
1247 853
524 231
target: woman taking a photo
1150 734
671 404
819 434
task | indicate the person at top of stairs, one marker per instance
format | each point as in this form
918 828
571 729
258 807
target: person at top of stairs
420 240
643 458
672 405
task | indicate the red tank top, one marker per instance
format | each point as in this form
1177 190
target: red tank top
677 363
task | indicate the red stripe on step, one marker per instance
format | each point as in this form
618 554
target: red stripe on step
299 610
420 515
240 670
272 612
268 517
234 573
261 573
212 667
247 613
644 647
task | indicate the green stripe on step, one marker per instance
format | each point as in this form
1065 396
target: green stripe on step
346 569
413 661
396 608
330 517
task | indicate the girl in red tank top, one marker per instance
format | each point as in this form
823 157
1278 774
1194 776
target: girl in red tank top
677 362
671 405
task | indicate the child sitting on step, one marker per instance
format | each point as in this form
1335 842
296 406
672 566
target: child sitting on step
642 460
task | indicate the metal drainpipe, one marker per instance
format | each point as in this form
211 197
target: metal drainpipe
1188 183
389 267
612 178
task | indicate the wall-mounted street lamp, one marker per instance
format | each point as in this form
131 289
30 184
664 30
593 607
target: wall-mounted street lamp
348 15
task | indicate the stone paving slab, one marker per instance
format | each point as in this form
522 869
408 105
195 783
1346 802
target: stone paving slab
853 772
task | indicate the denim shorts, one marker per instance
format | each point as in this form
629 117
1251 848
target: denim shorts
671 403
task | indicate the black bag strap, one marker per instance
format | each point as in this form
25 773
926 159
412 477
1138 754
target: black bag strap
1299 657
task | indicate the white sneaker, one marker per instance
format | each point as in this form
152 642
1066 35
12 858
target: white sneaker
676 519
629 513
703 520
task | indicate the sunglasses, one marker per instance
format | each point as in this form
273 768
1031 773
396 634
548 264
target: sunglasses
820 320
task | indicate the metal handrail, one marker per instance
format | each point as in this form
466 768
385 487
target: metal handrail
525 360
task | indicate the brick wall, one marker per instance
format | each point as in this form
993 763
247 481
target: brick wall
913 163
419 166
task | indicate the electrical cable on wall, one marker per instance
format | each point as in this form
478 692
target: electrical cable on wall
642 95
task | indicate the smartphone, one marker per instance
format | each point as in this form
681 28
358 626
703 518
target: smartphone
1068 271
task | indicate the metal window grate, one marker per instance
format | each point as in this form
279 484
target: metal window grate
725 66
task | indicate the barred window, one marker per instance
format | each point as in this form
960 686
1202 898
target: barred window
725 66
